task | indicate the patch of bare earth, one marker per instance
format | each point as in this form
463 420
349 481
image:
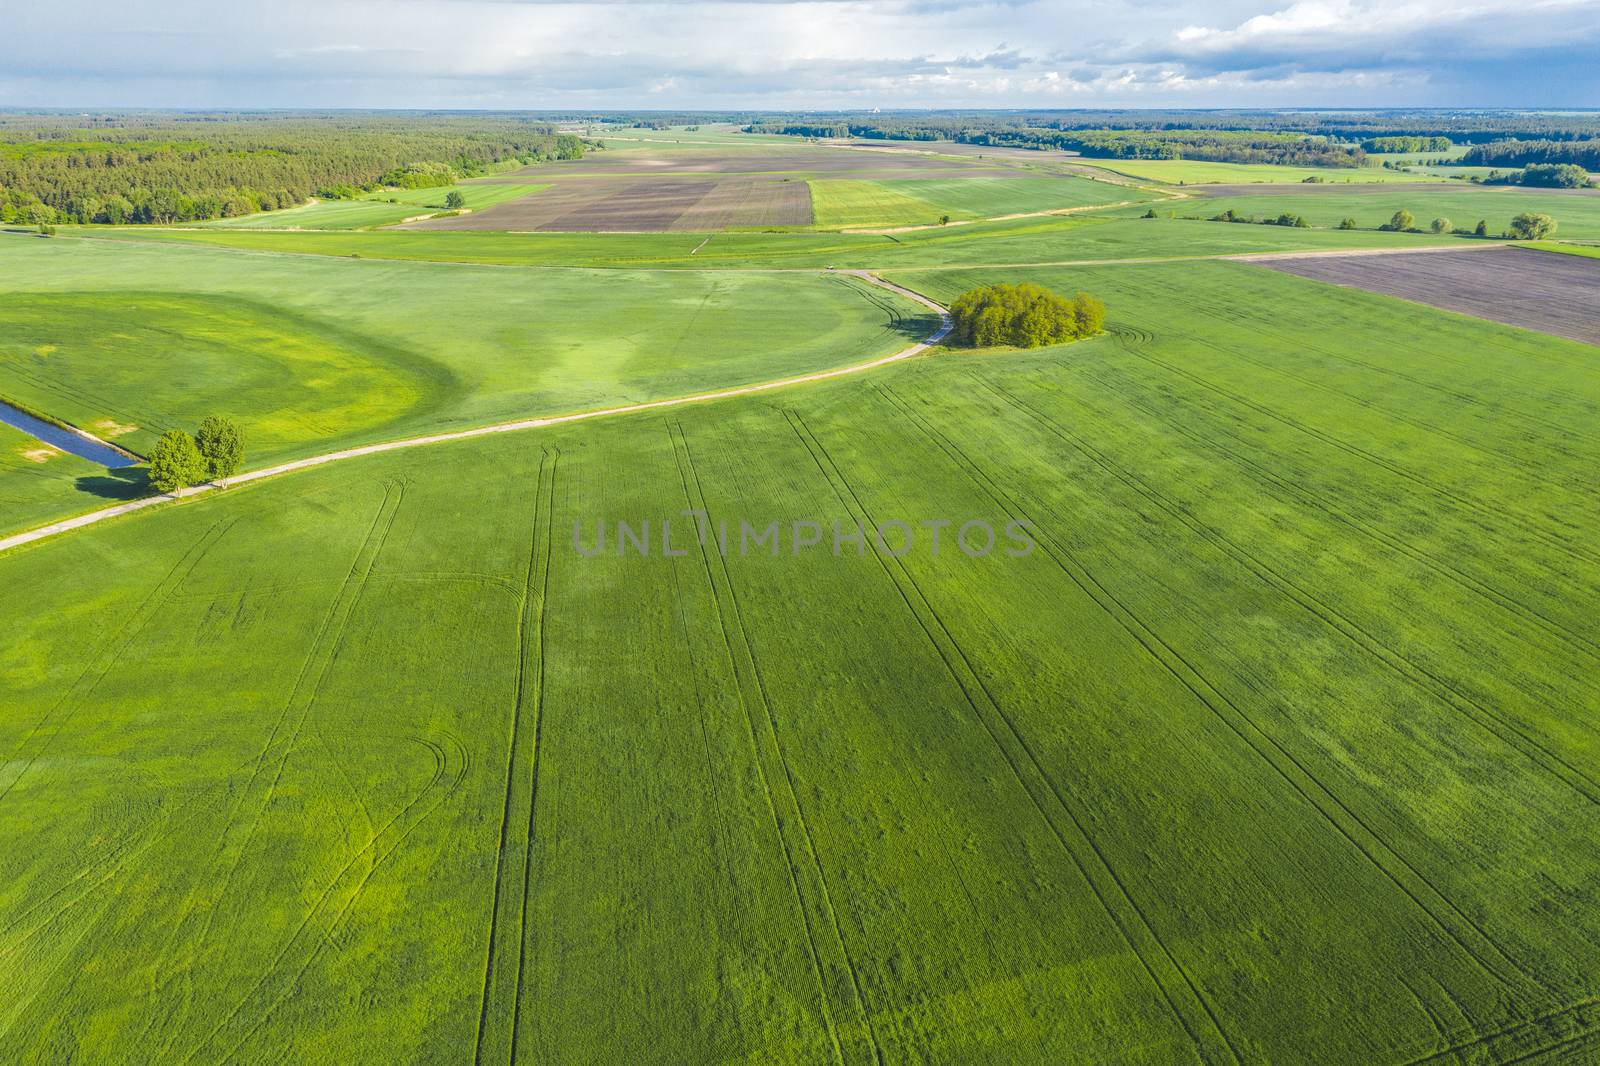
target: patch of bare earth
1544 291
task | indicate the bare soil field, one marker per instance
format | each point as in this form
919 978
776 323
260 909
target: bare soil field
623 206
1557 294
765 159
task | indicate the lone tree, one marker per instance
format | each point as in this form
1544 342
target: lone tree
175 462
455 201
1440 225
1400 222
1532 226
221 445
1024 316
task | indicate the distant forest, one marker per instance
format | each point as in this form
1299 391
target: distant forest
1337 139
165 167
1517 153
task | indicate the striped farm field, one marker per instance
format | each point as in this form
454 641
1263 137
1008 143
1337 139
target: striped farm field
1299 667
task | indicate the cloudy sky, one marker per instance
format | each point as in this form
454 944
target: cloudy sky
806 54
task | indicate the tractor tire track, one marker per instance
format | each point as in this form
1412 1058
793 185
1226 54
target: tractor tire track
1294 773
519 780
1578 642
314 670
110 654
1491 517
1285 586
378 849
1135 929
831 957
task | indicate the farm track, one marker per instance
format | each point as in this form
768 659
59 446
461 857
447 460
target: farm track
1468 936
847 1020
93 517
1168 976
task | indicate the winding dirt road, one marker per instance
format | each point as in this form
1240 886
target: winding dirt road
945 325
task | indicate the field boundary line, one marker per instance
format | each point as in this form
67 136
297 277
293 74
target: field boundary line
946 324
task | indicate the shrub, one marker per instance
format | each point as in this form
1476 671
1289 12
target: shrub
455 201
1024 316
1348 223
1441 225
221 445
175 462
1532 226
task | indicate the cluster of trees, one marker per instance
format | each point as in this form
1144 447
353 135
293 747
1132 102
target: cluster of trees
1527 226
1024 316
1406 144
1584 153
1285 219
164 168
214 452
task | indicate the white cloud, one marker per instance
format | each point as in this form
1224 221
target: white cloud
799 53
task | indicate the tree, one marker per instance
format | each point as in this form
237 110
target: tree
221 445
1555 176
175 462
944 220
1400 222
1024 316
1149 214
1532 226
455 201
1481 229
1440 225
1348 223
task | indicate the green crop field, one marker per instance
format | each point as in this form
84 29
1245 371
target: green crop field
376 209
1203 172
1027 240
1588 250
1577 214
845 202
921 201
1219 688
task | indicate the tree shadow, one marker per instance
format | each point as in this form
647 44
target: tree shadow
121 483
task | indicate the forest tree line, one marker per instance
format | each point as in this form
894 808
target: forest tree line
1518 153
167 168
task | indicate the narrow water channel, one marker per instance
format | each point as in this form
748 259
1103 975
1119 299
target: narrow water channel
66 440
